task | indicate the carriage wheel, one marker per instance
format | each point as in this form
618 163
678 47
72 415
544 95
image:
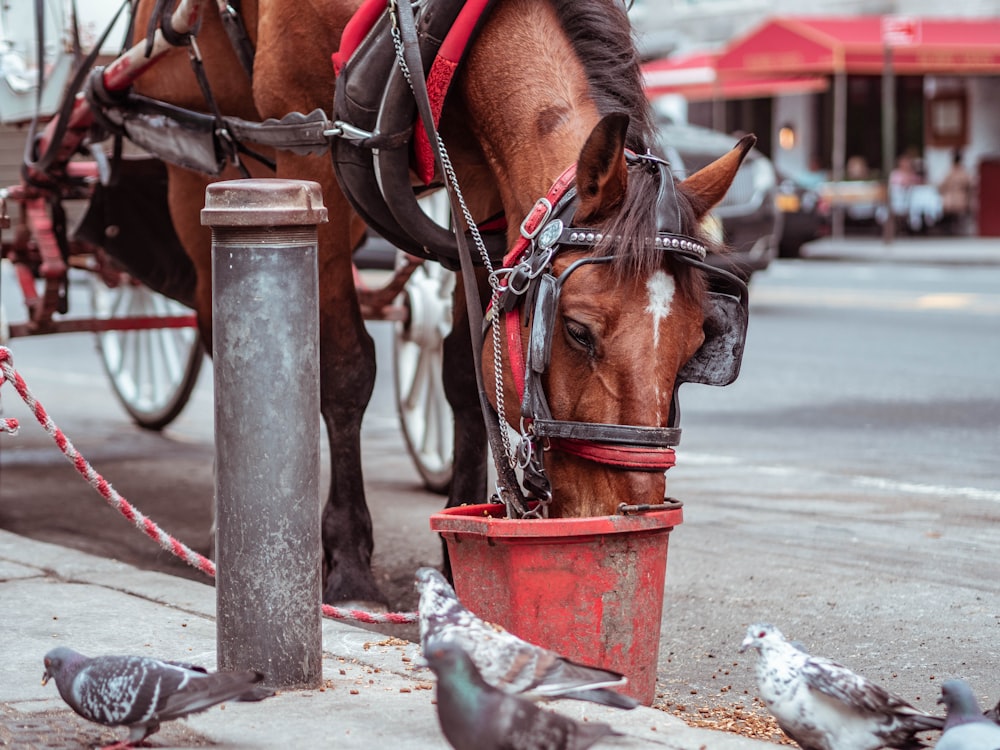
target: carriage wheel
153 371
424 412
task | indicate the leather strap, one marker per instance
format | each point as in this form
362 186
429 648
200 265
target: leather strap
622 456
509 486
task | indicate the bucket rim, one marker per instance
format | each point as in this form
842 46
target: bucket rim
488 520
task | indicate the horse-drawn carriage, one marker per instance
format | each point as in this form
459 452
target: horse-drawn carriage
148 343
528 116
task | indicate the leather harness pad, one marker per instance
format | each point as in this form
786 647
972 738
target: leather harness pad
373 97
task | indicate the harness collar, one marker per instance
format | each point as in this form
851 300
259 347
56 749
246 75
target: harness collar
374 102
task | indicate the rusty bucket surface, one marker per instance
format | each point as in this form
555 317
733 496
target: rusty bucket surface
589 588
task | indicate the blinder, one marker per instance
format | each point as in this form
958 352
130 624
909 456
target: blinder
726 313
718 359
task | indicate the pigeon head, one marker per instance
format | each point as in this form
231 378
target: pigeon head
431 580
450 661
436 594
959 701
760 634
58 660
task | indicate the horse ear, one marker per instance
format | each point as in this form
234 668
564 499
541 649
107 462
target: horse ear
709 184
601 172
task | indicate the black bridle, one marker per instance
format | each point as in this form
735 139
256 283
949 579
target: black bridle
529 296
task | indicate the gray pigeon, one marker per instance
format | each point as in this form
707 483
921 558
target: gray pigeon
476 716
140 692
504 660
965 728
825 706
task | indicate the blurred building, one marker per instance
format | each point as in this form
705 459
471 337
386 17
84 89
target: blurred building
852 81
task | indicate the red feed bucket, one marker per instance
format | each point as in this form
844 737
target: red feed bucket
589 588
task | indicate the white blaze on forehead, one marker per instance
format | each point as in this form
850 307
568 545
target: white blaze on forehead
660 287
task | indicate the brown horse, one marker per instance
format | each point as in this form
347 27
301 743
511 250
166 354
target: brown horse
537 93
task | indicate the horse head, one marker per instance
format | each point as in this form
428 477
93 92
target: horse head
622 313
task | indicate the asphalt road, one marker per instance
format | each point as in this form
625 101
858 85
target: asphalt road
846 488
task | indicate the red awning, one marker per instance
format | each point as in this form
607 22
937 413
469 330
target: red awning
856 44
695 76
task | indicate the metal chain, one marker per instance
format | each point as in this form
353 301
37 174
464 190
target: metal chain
451 184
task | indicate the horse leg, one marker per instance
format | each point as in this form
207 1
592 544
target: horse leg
292 73
347 378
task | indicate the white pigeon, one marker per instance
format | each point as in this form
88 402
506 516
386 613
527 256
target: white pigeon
965 728
139 692
504 660
825 706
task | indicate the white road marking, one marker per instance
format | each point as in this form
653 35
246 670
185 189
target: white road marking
858 480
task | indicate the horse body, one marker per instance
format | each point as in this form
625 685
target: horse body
525 106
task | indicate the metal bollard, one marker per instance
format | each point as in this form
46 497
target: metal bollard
266 361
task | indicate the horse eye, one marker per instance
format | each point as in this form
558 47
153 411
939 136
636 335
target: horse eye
579 334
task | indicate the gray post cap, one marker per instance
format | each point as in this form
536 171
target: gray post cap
265 202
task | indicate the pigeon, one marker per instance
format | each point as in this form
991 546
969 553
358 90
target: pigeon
140 692
505 661
825 706
477 716
966 727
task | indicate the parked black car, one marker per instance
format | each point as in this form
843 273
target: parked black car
805 220
808 208
751 223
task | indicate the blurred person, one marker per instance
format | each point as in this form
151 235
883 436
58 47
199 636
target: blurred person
902 179
956 196
857 168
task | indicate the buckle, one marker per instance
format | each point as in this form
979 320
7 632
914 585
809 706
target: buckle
536 217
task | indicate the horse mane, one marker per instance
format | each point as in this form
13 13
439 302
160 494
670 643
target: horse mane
635 223
601 34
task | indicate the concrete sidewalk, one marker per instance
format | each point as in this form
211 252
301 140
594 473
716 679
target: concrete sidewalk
929 249
375 694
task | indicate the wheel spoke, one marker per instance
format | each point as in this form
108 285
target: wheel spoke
425 415
154 370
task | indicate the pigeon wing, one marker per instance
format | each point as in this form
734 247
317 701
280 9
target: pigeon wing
839 682
198 692
123 689
525 726
514 665
895 721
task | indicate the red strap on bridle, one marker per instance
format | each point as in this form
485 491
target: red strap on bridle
512 325
625 456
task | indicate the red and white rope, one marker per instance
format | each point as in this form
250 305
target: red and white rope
137 519
372 618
